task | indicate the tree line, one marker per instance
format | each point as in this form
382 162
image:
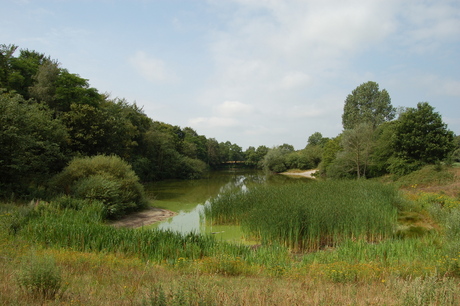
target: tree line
377 139
373 143
50 116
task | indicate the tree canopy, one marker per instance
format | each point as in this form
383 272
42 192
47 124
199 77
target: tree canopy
367 104
421 137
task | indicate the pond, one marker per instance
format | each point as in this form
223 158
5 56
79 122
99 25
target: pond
188 197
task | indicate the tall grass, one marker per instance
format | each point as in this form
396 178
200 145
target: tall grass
82 229
310 216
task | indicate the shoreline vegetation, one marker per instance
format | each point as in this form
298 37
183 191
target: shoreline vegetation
82 261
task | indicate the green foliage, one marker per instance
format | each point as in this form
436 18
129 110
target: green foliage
275 160
317 139
230 151
331 148
367 104
93 125
44 89
32 144
357 144
40 277
192 168
255 157
421 137
107 179
382 150
6 59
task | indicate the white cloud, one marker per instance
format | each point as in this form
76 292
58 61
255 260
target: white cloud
233 108
153 69
295 79
213 122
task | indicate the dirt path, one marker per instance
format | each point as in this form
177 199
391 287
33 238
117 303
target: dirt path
308 173
145 217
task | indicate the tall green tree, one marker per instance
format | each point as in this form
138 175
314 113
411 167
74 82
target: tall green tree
24 69
6 59
382 149
367 104
214 159
32 144
255 157
44 88
331 148
357 147
317 139
421 137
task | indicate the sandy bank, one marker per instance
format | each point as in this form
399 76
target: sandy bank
308 173
145 217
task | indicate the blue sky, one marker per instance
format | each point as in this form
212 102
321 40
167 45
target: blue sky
253 72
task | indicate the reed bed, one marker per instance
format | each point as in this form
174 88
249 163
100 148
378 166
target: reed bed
83 230
310 216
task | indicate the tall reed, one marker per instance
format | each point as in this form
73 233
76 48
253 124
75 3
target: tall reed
83 230
310 216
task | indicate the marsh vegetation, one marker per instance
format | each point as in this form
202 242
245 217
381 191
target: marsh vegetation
381 246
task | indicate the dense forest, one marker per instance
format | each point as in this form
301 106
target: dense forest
50 116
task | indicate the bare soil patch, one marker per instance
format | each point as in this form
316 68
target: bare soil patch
145 217
308 173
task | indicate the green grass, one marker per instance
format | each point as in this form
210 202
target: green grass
82 228
431 175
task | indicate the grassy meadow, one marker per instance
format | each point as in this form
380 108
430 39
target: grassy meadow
324 243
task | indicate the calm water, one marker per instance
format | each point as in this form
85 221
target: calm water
187 199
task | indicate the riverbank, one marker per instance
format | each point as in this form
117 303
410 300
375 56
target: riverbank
143 218
308 173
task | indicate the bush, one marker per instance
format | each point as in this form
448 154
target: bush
191 168
106 179
275 160
40 277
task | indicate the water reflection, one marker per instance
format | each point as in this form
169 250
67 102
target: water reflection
187 198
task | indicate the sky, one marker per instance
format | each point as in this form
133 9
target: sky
252 72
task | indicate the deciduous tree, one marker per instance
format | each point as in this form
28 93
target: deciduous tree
421 137
367 104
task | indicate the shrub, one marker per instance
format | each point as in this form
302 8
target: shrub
191 168
107 179
275 160
40 277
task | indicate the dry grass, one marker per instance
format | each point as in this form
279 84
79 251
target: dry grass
108 279
97 279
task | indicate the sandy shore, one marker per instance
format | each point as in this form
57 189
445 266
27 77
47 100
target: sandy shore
145 217
308 173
